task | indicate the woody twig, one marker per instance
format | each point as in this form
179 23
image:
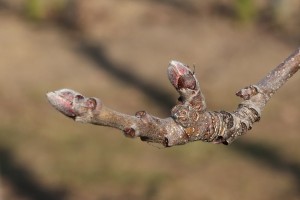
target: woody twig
190 120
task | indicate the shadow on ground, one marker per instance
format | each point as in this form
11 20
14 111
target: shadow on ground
22 180
98 55
270 157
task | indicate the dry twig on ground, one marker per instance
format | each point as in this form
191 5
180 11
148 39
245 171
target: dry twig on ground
190 120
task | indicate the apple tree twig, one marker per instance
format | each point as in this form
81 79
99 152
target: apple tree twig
190 120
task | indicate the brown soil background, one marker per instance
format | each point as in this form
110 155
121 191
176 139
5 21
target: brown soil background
121 57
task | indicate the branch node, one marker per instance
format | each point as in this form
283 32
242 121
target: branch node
129 132
248 92
140 114
91 103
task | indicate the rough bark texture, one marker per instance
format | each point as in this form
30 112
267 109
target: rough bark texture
190 120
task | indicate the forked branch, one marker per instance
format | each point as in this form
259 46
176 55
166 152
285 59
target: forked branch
190 120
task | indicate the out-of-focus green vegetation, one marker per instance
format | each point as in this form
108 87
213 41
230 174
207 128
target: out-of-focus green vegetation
245 10
281 14
34 9
38 10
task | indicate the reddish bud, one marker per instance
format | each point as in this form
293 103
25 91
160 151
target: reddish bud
181 76
140 114
187 81
62 100
91 103
247 92
129 132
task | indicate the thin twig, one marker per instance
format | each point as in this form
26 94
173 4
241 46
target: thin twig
189 121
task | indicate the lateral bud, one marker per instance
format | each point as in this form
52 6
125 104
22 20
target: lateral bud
247 92
129 132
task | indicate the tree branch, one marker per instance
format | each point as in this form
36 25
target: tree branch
190 120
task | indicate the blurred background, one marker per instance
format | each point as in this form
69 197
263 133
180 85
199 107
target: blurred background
118 50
